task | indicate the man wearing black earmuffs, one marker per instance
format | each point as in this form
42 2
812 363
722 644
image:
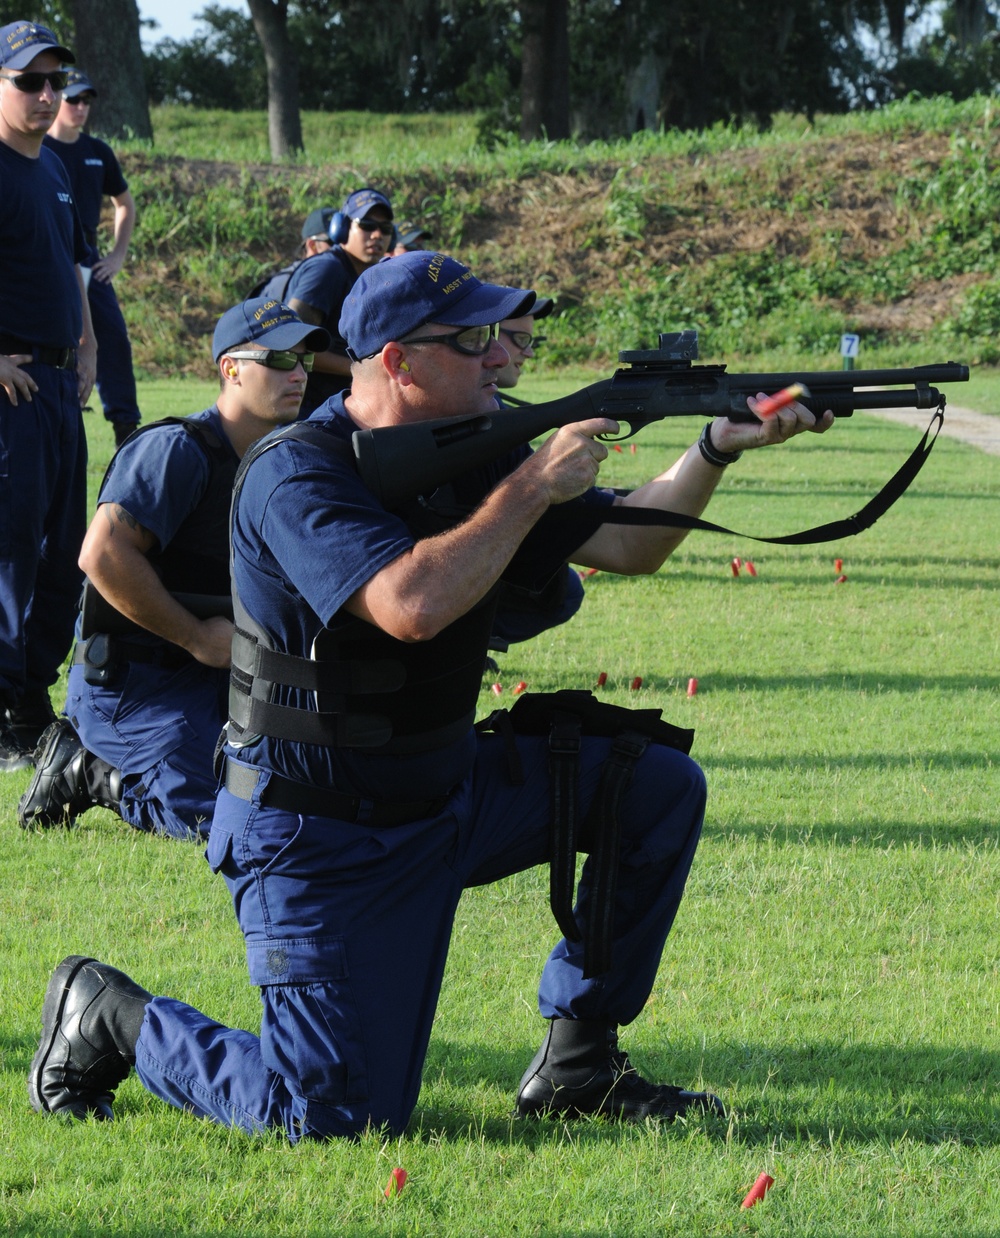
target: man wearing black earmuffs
362 233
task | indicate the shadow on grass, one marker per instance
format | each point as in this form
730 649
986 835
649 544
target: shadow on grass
848 1093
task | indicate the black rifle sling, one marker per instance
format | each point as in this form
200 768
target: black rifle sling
834 531
563 717
564 779
603 825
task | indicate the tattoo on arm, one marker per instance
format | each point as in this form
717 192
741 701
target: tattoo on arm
122 517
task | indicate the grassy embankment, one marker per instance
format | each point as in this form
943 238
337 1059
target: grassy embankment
834 970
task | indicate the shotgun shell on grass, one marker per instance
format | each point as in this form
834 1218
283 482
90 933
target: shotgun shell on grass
397 1180
632 448
750 568
692 687
841 579
637 683
757 1192
520 688
838 565
735 565
496 689
602 679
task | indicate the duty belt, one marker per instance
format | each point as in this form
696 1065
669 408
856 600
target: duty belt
60 358
170 657
310 801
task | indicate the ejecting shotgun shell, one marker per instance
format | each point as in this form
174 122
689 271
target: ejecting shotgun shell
771 403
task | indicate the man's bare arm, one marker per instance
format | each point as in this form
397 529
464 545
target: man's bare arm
114 557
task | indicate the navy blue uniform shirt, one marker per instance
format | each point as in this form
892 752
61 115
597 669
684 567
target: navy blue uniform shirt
41 241
94 173
307 534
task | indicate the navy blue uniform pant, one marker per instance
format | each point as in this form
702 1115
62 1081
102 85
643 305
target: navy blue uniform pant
347 930
115 376
43 517
158 726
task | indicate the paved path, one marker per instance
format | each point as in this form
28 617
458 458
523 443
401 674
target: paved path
977 429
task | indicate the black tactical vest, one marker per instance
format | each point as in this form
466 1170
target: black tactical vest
368 690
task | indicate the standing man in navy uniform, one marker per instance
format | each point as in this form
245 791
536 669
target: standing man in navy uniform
145 707
94 173
47 366
362 232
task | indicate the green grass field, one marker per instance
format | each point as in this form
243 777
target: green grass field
833 973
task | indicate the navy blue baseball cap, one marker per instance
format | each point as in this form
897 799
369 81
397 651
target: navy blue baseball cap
318 222
22 41
397 295
263 320
78 83
360 202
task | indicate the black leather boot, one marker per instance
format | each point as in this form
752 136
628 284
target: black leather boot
91 1019
580 1070
29 717
67 781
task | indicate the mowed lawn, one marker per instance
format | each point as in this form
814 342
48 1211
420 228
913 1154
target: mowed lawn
833 973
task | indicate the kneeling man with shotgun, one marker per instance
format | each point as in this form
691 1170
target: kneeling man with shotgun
359 800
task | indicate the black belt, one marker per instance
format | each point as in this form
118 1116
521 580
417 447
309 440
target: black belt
61 358
309 801
170 657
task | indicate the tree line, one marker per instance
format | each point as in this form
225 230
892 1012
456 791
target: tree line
538 68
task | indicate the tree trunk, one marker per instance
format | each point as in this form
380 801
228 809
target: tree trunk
284 125
544 69
970 22
108 50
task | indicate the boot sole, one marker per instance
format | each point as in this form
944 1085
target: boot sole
52 1012
65 820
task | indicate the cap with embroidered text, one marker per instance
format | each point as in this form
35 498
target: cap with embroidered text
263 320
397 295
78 83
22 41
361 201
409 234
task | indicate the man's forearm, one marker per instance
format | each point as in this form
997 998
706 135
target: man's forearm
443 577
